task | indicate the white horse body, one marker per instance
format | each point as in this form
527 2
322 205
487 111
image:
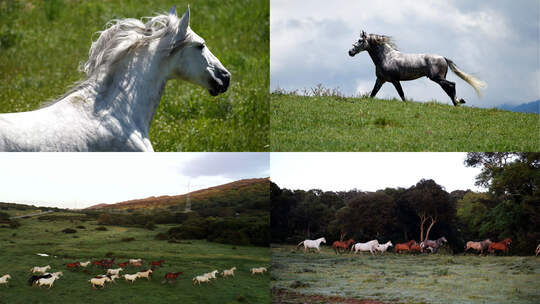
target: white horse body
312 244
382 248
113 109
369 246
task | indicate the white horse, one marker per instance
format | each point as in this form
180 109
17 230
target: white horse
312 244
369 246
113 109
382 248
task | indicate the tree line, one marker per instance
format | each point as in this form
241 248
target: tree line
510 208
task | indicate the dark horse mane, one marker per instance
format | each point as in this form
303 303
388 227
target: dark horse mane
381 40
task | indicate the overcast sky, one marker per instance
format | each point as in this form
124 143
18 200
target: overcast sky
79 180
370 171
497 40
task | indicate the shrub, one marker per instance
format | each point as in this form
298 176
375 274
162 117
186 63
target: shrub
161 236
14 224
101 228
150 226
69 230
81 227
128 239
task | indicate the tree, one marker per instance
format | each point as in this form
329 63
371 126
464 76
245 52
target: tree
431 204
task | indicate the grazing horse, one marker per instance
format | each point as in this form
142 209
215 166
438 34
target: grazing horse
171 276
404 246
393 66
433 245
501 246
113 108
312 244
342 245
369 246
478 246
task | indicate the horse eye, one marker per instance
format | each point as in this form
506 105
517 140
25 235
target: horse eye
201 46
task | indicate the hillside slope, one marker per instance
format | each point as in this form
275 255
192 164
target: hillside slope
333 123
256 188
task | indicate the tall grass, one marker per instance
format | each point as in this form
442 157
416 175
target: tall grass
323 119
42 44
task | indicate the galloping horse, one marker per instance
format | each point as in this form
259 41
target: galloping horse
113 109
478 246
382 248
342 245
369 246
312 244
393 66
415 248
501 246
404 246
433 245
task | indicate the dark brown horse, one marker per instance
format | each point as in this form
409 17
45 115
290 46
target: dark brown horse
404 246
337 245
501 246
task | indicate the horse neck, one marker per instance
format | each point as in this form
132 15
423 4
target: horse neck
133 89
379 53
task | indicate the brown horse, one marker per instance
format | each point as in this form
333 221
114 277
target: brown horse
501 246
337 245
404 246
478 246
415 248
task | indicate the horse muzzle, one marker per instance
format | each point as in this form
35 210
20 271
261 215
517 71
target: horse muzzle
352 53
219 83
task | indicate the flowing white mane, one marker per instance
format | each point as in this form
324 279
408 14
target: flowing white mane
122 36
382 39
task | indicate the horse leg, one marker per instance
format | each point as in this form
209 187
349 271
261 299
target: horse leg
397 85
378 84
450 89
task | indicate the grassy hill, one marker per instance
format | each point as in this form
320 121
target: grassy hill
256 189
336 123
42 44
193 257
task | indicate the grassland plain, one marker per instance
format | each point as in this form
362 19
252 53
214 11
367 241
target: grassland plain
335 123
439 278
19 248
42 44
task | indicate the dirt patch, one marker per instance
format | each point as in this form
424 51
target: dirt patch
283 296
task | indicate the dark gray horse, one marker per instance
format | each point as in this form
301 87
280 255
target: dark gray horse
394 66
433 245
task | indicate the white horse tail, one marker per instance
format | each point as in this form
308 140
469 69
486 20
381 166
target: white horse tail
476 83
302 242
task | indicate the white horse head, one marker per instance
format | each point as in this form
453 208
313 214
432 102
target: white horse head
190 59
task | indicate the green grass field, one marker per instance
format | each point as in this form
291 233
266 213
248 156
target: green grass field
406 278
42 44
19 248
334 123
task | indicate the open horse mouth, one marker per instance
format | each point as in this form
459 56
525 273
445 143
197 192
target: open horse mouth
219 84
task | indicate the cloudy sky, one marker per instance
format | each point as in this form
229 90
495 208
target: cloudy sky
78 180
496 40
370 171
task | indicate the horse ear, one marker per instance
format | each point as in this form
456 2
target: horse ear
363 35
184 22
172 11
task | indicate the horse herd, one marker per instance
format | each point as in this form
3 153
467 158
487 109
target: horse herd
40 277
411 246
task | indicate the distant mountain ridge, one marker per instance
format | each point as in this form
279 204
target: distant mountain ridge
530 107
258 185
